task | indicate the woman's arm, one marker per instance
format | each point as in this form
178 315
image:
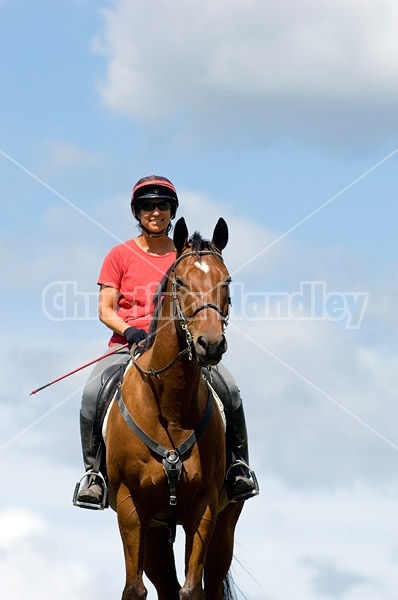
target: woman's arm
107 304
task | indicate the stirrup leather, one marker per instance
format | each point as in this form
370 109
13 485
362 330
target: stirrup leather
250 474
91 505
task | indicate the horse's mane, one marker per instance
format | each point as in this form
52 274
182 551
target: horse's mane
195 244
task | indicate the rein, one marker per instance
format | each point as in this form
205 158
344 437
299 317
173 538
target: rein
156 372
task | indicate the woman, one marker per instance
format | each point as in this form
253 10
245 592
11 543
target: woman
128 279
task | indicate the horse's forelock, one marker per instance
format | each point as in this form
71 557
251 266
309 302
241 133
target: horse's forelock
197 244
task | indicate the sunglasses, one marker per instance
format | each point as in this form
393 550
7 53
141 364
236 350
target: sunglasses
150 206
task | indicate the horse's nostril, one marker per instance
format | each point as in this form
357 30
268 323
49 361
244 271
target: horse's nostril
202 342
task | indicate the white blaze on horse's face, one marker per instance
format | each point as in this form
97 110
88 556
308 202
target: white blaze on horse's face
203 266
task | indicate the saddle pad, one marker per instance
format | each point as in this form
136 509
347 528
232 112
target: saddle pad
218 402
105 421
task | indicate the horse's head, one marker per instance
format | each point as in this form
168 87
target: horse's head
200 287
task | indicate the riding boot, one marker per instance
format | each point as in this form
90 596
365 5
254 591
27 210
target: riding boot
241 481
92 490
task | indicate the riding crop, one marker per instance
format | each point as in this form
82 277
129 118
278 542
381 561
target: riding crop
79 368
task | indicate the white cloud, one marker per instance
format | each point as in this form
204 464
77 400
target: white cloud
320 411
253 67
348 534
17 525
31 559
246 238
68 155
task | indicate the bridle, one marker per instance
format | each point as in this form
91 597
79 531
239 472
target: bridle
182 317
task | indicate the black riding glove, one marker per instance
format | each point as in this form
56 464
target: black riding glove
134 335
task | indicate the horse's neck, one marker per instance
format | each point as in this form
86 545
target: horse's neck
181 381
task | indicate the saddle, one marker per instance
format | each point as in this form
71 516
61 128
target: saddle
110 379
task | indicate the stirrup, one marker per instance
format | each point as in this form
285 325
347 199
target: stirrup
91 505
250 474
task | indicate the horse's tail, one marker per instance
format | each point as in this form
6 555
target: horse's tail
229 588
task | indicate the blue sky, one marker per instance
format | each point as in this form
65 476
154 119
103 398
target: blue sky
282 119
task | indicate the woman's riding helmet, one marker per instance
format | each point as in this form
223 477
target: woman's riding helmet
152 187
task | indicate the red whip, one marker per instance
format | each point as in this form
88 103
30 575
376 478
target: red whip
80 368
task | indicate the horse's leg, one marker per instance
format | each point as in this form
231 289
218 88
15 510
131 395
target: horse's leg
220 552
159 565
198 533
133 537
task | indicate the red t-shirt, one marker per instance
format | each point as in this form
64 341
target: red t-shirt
136 274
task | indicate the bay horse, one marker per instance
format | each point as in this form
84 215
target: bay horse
165 437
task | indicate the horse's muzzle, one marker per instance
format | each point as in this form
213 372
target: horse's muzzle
209 351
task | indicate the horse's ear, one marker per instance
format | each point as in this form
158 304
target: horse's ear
220 235
180 236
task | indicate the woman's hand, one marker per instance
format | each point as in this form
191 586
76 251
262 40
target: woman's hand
134 335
